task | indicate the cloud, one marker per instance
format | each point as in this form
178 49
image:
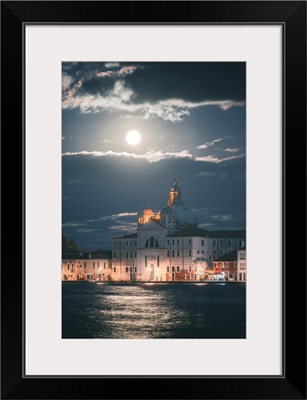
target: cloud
223 217
111 65
216 160
113 216
66 81
87 230
208 144
73 223
231 150
150 156
206 173
120 99
124 227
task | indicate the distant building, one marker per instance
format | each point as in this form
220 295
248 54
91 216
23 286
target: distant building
232 266
169 246
87 266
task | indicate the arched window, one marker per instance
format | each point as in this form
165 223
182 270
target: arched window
151 242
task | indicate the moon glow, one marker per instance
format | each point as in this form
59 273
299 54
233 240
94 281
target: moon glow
133 137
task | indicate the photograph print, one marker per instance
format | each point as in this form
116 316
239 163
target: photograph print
153 200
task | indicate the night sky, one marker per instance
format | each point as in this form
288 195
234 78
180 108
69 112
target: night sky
191 117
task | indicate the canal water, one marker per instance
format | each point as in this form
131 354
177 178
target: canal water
153 311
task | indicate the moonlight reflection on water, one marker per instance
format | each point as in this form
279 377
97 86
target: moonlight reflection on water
153 311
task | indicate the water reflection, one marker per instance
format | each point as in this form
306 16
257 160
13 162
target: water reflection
153 311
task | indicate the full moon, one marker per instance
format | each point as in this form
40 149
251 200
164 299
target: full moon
133 137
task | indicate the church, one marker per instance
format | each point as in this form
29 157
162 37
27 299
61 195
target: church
169 245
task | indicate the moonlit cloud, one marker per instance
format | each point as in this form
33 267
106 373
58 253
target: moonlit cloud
111 65
223 217
120 99
208 144
216 160
113 216
206 173
150 156
231 150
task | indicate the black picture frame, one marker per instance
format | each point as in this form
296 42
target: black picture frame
292 16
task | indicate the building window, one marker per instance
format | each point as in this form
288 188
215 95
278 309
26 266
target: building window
135 269
227 265
221 242
235 265
173 241
190 253
167 269
197 251
242 244
202 242
190 241
135 254
114 244
126 254
127 269
126 242
177 253
177 241
242 256
173 253
221 252
167 254
114 269
135 243
93 265
67 267
190 268
228 243
202 252
177 268
97 264
151 242
145 261
213 242
158 261
104 265
173 269
114 255
131 242
130 254
168 241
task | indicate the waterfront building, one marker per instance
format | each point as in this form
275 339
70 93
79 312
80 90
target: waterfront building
232 266
95 266
169 245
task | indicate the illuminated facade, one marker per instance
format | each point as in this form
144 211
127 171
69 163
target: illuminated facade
169 246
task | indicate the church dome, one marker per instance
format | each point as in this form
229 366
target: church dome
178 217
